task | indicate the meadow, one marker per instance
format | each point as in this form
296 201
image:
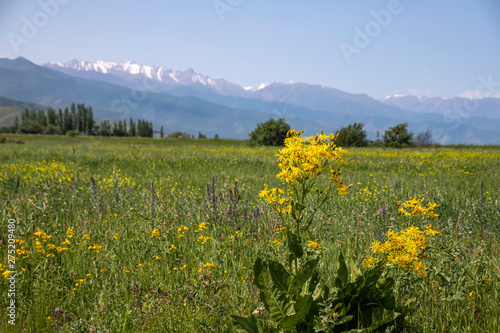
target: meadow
149 235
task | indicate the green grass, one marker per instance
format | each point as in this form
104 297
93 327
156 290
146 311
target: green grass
126 187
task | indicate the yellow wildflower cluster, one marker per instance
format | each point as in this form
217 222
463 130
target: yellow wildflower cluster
304 158
49 247
273 197
70 233
181 230
313 244
202 226
155 233
78 283
414 207
96 247
41 234
403 248
21 249
204 239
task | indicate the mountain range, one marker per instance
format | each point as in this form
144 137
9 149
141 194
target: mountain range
192 102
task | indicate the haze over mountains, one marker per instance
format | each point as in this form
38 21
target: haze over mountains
192 102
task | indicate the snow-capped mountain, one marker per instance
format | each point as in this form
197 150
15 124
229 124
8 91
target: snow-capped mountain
137 76
194 102
448 107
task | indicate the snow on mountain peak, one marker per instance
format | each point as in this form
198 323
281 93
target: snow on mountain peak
129 70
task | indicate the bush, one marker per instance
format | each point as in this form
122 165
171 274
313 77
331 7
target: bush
352 136
424 138
398 136
271 133
30 127
179 135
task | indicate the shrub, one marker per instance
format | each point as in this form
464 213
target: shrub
398 136
352 136
271 133
424 138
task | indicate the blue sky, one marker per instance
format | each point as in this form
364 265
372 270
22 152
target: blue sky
436 48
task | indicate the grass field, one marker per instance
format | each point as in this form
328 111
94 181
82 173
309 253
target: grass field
148 235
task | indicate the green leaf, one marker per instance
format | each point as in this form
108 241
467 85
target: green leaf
275 301
355 271
280 276
294 244
297 211
376 317
342 273
301 308
245 324
306 271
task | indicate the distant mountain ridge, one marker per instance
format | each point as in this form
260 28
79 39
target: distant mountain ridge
130 72
458 106
192 102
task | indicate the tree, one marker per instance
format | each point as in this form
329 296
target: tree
271 133
352 136
161 132
132 131
398 136
424 138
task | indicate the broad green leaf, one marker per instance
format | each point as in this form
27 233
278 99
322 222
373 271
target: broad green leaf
280 276
294 244
245 324
376 317
355 271
274 300
306 271
301 308
342 273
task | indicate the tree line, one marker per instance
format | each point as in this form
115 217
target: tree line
78 119
273 133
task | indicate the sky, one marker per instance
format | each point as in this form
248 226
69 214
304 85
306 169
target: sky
441 48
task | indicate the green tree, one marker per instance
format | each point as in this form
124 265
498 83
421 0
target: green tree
161 132
398 136
131 126
352 136
271 133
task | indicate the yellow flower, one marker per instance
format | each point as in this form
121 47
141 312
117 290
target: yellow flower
155 233
208 265
313 244
181 228
265 192
472 293
70 233
369 261
87 237
116 236
376 247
